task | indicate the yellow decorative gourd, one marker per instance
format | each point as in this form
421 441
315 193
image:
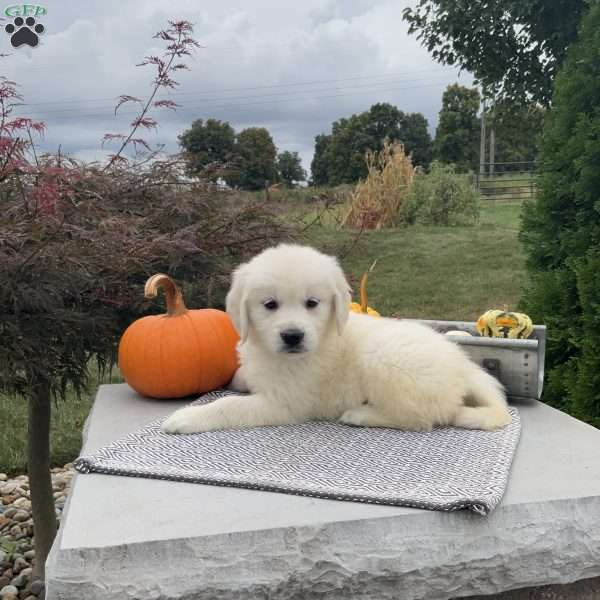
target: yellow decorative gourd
504 324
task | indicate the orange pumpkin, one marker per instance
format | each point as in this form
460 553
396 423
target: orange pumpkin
180 353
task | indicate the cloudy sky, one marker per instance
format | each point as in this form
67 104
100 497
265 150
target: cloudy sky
292 67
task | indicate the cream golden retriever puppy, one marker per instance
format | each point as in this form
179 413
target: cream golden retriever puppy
305 357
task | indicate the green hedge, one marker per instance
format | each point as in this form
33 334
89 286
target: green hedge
561 231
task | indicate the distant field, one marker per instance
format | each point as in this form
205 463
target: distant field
452 273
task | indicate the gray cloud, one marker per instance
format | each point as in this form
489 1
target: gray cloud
288 66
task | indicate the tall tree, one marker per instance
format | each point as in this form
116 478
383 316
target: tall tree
414 134
206 143
561 231
256 155
289 167
346 150
517 128
318 166
340 156
381 122
514 47
457 135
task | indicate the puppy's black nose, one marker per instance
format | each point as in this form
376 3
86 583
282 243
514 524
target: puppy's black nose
292 337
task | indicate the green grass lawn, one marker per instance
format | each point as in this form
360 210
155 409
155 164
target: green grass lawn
453 273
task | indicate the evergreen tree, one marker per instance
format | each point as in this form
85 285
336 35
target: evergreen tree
561 231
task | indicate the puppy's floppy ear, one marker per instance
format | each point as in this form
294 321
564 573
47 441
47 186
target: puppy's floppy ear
237 302
341 299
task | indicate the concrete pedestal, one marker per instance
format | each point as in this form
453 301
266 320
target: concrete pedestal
124 538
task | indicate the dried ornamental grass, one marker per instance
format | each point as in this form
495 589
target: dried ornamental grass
376 201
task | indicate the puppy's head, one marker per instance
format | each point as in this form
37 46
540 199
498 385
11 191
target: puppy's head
289 299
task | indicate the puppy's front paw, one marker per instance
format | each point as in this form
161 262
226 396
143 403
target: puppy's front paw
186 420
356 416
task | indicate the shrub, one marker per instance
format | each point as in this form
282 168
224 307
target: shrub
376 201
441 197
76 247
561 231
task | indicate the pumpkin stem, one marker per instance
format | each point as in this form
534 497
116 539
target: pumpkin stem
363 288
174 299
363 293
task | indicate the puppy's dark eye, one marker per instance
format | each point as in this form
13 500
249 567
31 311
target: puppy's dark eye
271 304
312 303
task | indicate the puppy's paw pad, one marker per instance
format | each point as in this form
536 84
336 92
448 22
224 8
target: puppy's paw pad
185 420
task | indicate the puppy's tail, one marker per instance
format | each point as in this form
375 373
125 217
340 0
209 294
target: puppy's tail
488 408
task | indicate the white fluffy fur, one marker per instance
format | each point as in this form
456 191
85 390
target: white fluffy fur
353 368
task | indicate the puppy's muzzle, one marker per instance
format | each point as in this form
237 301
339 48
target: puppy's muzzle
292 340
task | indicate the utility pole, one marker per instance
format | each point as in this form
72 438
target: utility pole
492 149
482 143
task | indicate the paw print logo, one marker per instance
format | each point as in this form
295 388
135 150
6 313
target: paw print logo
24 31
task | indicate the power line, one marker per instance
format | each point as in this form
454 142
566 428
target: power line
291 94
242 105
246 88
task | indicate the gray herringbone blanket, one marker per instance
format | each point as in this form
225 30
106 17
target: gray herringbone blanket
446 469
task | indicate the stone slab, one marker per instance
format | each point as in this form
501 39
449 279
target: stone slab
127 538
584 589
